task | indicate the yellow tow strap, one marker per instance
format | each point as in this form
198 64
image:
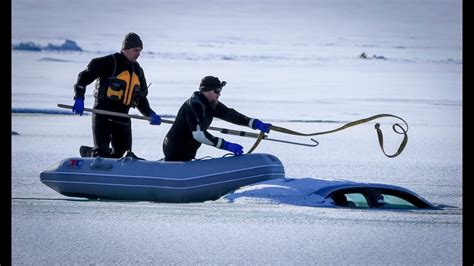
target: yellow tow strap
350 124
259 138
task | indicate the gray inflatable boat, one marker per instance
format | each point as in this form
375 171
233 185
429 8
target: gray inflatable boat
129 178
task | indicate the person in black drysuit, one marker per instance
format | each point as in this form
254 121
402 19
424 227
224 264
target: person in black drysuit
121 84
189 130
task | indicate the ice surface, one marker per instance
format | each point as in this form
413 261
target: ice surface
291 63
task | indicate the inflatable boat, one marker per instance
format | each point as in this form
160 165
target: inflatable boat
130 178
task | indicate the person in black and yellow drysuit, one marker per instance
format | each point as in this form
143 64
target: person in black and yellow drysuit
189 130
120 84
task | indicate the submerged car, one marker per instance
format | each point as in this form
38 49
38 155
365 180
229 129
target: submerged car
331 193
371 195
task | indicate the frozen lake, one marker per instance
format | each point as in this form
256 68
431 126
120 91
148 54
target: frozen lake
291 63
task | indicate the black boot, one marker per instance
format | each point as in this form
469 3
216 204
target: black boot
85 151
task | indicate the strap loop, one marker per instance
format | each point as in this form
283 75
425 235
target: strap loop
396 127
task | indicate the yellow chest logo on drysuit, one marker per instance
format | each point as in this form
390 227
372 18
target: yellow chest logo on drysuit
122 86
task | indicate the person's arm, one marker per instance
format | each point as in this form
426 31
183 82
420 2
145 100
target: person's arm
95 68
144 107
194 118
205 137
143 104
232 116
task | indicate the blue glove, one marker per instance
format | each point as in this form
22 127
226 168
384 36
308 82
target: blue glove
264 127
155 119
232 147
78 107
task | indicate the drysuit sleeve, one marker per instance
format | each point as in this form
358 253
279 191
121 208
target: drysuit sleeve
232 116
97 67
199 131
143 104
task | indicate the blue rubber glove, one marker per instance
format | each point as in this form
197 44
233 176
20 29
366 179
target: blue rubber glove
232 147
155 119
78 107
264 127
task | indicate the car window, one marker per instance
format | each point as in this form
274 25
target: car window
386 198
391 198
390 201
357 200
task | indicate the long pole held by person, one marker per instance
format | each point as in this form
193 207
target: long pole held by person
313 143
396 127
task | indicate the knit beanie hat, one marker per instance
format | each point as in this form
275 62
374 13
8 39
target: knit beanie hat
209 83
132 40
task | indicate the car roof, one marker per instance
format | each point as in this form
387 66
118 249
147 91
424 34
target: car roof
325 188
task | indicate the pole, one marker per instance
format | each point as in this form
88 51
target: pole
221 130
